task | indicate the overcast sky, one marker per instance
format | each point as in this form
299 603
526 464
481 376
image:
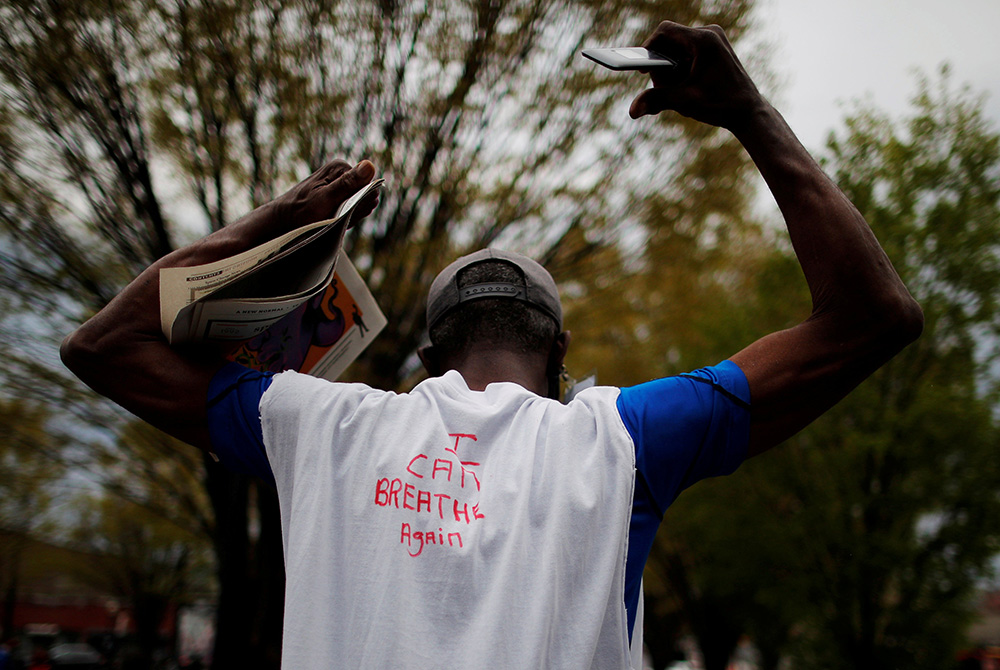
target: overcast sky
833 51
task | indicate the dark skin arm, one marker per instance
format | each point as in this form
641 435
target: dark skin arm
121 352
862 314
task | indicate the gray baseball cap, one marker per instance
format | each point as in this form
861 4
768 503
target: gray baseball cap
539 288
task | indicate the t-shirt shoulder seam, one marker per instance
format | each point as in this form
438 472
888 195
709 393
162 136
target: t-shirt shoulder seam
740 402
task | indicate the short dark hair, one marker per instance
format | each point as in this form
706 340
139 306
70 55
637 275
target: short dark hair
502 322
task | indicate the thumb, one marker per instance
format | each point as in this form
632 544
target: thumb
364 171
347 184
650 101
354 179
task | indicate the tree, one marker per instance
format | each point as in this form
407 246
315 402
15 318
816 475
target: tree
861 540
490 127
148 562
29 469
904 487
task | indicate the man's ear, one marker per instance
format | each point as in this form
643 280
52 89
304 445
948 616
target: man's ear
558 352
429 357
556 357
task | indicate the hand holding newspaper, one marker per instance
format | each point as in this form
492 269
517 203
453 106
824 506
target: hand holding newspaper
289 300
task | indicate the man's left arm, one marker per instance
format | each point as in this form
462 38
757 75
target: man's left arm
862 314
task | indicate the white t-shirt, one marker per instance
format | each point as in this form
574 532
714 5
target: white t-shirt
450 528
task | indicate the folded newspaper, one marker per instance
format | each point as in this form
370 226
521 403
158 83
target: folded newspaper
289 303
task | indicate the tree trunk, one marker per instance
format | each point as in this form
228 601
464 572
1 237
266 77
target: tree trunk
251 573
717 638
148 610
9 603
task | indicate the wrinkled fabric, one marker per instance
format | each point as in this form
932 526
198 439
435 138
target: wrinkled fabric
450 528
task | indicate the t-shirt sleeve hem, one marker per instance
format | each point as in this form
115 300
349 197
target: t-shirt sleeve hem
233 413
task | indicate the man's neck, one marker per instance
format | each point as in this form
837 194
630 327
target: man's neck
485 365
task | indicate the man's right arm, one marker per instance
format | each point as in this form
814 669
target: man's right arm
121 352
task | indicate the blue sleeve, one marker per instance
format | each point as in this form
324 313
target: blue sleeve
234 420
687 428
684 428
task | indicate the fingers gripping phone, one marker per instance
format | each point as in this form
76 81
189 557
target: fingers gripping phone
629 58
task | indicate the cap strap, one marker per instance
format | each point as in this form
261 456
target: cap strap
491 290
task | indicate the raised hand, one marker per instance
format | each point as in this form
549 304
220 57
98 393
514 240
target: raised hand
318 196
709 85
315 198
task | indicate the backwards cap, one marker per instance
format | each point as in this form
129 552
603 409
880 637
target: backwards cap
539 288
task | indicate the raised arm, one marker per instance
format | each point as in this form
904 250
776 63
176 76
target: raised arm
862 314
121 352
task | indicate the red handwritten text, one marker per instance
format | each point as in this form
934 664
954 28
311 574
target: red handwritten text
400 495
458 437
417 539
426 473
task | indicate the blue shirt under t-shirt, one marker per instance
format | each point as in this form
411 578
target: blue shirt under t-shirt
684 428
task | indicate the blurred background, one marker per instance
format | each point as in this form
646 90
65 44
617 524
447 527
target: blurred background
130 128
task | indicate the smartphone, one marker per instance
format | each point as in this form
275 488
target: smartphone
629 58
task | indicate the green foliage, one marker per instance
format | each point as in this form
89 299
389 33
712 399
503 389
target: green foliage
686 296
931 189
30 463
30 469
142 558
152 471
912 497
137 553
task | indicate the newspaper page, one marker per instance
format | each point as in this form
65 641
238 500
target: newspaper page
253 288
321 336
